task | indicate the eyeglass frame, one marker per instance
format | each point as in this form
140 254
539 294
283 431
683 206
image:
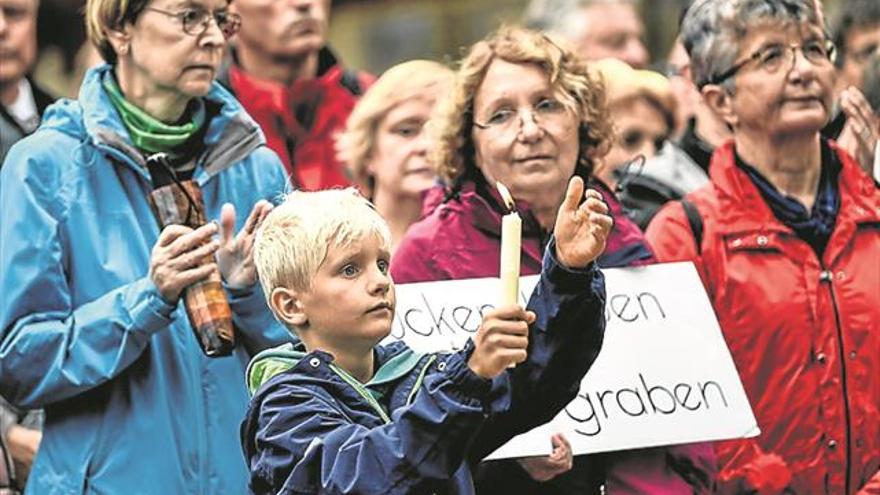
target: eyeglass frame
756 57
522 121
212 16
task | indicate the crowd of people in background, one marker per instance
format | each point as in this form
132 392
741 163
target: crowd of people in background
752 150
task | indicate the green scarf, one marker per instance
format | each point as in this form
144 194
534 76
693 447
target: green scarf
147 132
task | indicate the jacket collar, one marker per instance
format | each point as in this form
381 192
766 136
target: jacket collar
393 361
231 134
742 209
275 97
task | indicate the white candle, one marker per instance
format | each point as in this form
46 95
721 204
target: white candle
511 244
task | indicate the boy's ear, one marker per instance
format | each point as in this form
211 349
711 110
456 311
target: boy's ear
288 307
720 101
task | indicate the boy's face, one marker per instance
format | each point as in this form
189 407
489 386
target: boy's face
350 304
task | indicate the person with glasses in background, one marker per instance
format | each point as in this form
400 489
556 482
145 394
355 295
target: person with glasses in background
92 328
527 113
785 239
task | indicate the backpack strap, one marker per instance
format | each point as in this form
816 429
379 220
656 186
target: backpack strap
696 222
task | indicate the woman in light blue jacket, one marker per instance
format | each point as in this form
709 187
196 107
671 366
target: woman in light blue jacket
92 327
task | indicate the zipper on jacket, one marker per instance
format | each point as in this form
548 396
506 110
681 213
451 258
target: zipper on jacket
420 379
842 357
362 391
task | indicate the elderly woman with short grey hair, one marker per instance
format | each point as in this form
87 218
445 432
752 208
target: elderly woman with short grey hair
785 238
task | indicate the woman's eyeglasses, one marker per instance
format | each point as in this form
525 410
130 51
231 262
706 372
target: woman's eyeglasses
771 58
195 21
506 122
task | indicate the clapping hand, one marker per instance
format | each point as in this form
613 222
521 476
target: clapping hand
235 256
862 129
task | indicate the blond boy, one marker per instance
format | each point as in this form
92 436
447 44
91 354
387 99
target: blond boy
340 414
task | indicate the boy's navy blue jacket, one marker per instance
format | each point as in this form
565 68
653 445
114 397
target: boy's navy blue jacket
422 419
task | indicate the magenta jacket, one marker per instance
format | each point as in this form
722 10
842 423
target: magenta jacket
459 237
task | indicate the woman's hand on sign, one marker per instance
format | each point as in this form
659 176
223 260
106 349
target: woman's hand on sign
181 257
581 228
548 467
502 339
236 254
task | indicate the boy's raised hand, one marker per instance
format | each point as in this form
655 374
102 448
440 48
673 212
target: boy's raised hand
581 230
502 339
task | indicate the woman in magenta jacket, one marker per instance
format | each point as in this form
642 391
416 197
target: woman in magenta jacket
526 113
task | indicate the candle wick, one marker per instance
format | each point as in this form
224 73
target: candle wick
506 197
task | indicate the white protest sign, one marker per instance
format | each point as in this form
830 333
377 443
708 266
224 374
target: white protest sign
664 375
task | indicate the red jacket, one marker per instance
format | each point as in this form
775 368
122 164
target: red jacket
461 238
300 120
804 333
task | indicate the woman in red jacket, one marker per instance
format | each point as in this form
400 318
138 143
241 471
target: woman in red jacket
527 113
787 239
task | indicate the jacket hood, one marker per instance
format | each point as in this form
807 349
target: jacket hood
231 135
393 362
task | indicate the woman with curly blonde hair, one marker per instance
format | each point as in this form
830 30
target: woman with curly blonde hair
526 112
386 144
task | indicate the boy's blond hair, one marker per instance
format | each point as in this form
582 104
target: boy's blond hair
293 241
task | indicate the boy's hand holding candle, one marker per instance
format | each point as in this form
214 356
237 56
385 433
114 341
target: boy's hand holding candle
502 340
581 229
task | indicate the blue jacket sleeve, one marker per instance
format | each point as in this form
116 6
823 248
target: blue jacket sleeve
50 350
303 442
564 342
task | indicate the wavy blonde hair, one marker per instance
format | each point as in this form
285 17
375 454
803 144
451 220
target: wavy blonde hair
576 88
403 82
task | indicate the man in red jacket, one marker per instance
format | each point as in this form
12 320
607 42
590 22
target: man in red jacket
293 85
